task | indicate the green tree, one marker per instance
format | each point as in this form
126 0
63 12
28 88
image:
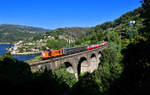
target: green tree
16 75
63 76
136 75
56 44
99 81
114 40
13 71
146 15
100 35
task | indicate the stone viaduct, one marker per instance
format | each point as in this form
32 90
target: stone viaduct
86 61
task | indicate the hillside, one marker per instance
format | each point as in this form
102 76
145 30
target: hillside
77 36
121 26
73 32
68 34
12 33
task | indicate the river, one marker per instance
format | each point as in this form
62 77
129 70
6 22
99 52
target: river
3 49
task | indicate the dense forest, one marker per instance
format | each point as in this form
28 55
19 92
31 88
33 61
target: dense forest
124 67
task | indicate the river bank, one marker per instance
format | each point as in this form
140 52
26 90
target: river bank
3 49
26 53
1 43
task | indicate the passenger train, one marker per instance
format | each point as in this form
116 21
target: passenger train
66 51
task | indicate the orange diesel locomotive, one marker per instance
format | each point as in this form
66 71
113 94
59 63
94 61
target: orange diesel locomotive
51 53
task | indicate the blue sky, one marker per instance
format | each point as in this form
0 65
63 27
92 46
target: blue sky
53 14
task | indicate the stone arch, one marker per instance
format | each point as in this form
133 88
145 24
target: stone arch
82 65
47 66
93 59
67 64
93 55
99 54
93 62
69 67
42 68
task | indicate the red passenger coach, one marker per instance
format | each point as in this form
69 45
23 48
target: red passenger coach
96 45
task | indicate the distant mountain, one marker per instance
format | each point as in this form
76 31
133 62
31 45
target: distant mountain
21 28
11 33
72 31
65 33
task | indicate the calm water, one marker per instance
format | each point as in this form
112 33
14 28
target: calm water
3 50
